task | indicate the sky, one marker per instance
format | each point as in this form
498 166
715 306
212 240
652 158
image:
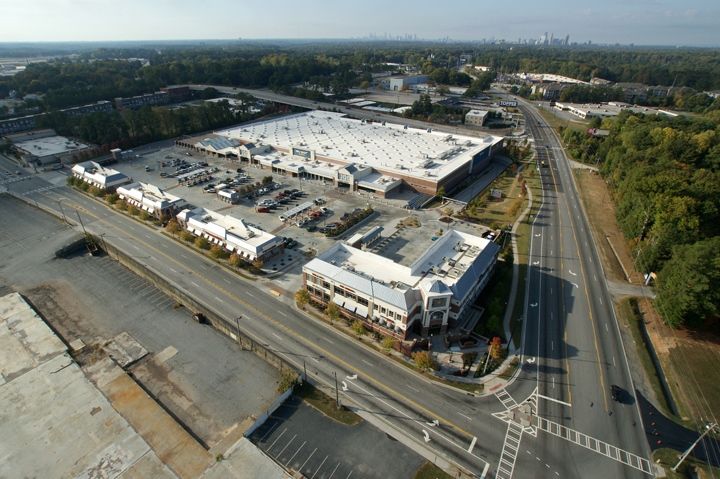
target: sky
642 22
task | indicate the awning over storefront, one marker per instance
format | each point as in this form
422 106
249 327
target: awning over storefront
361 311
338 300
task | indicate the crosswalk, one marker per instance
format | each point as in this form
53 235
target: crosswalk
596 445
510 449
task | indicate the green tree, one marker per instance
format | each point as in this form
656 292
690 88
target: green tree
112 198
217 251
133 210
235 260
688 290
302 297
186 236
440 192
332 311
202 242
388 343
442 90
424 360
288 378
144 215
173 227
358 328
121 205
364 85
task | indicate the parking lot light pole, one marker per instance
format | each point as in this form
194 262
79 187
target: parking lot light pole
62 210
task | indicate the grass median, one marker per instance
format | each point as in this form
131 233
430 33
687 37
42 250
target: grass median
325 404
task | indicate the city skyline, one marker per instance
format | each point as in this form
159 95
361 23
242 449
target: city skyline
639 22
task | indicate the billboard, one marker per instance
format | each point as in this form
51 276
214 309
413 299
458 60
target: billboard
508 103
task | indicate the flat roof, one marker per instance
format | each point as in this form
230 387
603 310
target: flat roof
150 194
448 258
51 145
389 147
56 422
612 108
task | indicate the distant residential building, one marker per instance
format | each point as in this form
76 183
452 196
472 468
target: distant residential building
25 123
101 106
234 235
549 91
148 99
97 175
120 155
633 92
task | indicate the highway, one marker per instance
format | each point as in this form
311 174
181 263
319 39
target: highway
571 345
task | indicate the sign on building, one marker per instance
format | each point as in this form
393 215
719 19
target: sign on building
508 103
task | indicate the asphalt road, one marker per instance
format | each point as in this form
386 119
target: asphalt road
571 333
572 347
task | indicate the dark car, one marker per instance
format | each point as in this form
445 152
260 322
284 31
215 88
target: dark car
616 393
311 227
291 244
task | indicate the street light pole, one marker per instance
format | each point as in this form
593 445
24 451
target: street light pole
63 211
708 427
237 322
337 395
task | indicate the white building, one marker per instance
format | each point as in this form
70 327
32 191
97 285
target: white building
152 199
98 175
233 234
430 294
383 156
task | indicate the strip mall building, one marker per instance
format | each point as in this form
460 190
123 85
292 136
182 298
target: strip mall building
376 157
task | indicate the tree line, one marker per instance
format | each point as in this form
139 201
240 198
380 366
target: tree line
664 175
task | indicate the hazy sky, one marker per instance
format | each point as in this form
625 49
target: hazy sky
643 22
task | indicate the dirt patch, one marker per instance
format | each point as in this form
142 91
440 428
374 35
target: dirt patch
600 211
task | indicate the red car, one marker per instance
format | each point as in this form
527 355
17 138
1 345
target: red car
263 209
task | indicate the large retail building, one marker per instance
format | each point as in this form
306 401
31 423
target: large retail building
377 157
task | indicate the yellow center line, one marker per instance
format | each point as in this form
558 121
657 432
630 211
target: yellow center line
286 328
587 296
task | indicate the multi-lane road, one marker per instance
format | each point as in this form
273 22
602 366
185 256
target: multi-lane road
572 351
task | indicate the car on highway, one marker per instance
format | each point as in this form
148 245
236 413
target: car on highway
616 393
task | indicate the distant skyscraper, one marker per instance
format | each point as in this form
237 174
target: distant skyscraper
551 38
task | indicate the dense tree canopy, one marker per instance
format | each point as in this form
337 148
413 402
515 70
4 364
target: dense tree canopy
665 176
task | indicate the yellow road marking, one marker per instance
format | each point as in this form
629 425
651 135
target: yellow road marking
290 331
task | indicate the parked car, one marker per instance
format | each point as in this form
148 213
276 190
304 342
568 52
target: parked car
312 227
291 244
263 209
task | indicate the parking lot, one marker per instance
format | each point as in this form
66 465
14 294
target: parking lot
302 230
193 370
300 437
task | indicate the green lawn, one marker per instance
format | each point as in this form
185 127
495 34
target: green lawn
689 469
325 404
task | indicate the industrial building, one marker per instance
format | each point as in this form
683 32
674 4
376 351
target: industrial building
424 293
607 110
396 83
43 148
152 199
99 176
233 234
376 157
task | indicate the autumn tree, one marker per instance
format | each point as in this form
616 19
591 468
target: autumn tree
424 360
173 227
332 311
302 297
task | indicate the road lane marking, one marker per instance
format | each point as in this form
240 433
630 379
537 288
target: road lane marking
193 282
173 270
228 282
469 419
472 445
282 313
412 388
368 363
316 346
277 336
326 339
219 299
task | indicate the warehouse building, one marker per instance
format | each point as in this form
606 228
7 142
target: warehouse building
431 294
234 235
376 157
152 199
476 117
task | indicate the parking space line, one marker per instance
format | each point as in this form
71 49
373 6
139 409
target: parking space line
349 474
329 477
276 439
293 456
306 460
286 445
321 464
269 431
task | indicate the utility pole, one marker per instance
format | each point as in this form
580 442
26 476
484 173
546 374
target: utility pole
708 427
63 211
